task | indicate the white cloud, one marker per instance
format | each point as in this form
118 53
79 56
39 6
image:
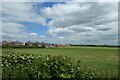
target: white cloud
63 15
59 30
60 0
42 36
95 0
12 14
98 20
80 28
16 12
78 22
34 34
12 28
61 37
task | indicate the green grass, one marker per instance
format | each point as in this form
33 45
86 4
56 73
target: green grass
103 60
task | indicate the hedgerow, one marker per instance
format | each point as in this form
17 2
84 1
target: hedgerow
34 67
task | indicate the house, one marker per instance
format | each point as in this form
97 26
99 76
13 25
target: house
4 43
51 46
0 43
47 45
29 43
37 44
16 43
67 45
43 44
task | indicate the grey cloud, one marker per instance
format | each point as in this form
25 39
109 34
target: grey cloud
103 29
76 22
23 11
74 16
80 28
103 22
96 19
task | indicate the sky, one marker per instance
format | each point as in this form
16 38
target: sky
60 22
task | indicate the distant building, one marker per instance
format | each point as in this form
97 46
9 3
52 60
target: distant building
37 44
68 45
16 43
0 43
4 43
29 43
51 46
43 44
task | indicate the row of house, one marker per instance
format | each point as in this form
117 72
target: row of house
32 44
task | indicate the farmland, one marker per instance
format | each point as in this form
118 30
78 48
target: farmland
102 61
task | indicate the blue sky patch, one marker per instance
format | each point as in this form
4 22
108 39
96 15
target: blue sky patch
32 27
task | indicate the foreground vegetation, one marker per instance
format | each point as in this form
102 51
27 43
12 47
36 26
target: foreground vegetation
16 66
95 62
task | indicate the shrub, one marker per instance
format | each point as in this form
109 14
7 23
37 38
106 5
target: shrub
32 67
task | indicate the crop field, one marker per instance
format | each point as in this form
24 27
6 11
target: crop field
102 61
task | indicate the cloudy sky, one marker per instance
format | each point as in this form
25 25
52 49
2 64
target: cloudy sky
60 22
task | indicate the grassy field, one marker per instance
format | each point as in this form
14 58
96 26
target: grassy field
103 60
